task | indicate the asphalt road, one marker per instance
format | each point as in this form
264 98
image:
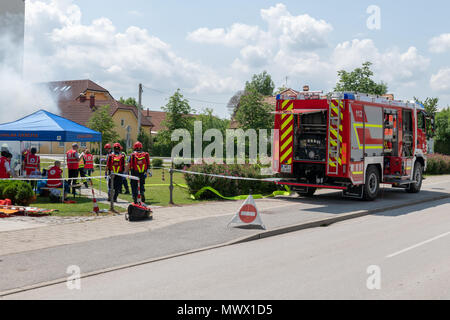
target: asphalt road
38 266
398 254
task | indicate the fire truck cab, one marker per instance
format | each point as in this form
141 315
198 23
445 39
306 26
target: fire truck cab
350 142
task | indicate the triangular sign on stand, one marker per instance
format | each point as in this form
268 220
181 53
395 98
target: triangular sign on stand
248 214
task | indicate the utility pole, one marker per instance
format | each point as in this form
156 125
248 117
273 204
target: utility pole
140 109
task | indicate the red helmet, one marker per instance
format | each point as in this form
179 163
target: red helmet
108 146
137 145
117 145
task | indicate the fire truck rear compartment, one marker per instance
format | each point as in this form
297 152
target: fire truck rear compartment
310 147
310 137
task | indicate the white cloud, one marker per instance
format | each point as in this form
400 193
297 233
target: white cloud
299 33
285 32
59 46
285 47
235 36
392 66
440 44
440 82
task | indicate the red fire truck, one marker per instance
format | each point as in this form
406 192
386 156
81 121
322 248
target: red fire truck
350 142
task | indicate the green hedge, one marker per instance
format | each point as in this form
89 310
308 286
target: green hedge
19 192
157 163
438 164
228 187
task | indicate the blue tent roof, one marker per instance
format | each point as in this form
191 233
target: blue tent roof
46 126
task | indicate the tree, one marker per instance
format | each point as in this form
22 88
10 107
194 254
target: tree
253 113
430 104
359 80
233 104
443 131
261 83
102 122
129 102
146 140
281 89
210 121
178 116
178 111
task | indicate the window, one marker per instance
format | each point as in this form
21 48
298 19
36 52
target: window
122 122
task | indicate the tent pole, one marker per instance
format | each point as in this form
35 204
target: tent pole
64 171
100 163
21 164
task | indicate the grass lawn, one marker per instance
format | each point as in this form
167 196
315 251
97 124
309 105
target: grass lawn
82 207
157 189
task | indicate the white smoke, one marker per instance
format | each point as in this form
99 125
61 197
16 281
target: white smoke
18 96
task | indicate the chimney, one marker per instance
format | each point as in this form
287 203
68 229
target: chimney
148 112
92 102
305 88
82 97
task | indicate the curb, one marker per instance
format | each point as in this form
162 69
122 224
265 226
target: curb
261 235
329 221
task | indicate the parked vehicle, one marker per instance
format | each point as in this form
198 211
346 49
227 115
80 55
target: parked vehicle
351 142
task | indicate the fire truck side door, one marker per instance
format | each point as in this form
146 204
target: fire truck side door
357 121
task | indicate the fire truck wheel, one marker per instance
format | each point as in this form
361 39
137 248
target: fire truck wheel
415 187
372 185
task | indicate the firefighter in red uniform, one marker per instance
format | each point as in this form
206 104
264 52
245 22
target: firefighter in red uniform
5 168
116 164
32 162
88 163
139 167
54 176
54 179
73 159
107 152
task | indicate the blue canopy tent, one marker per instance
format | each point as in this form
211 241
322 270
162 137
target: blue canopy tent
47 127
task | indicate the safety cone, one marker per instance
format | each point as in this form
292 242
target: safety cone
96 208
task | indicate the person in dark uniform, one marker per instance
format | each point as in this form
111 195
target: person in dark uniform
125 180
139 166
116 164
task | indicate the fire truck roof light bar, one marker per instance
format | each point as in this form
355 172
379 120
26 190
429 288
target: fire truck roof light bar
354 96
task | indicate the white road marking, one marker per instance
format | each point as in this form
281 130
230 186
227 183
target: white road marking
418 245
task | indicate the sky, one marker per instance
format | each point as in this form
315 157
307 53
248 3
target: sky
209 49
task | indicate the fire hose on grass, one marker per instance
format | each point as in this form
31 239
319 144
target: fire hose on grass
198 194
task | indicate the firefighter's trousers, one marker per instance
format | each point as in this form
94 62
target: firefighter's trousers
134 185
117 187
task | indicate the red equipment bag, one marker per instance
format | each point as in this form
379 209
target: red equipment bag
138 212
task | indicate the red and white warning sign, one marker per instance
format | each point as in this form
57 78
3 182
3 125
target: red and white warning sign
248 214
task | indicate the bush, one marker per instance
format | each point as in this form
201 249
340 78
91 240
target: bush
157 163
20 192
228 187
438 164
